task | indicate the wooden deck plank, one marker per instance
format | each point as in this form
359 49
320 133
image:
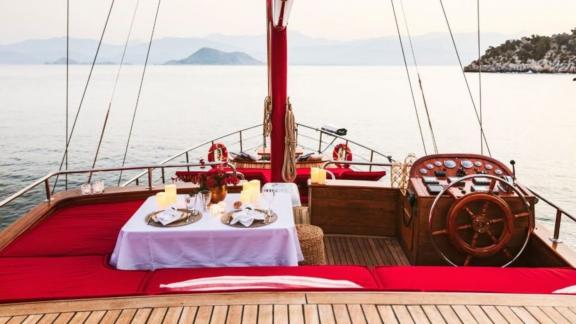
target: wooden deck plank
509 315
141 315
219 314
188 315
356 314
203 315
523 314
265 314
418 314
449 315
95 317
463 313
402 314
63 318
341 314
493 314
157 315
296 313
234 314
126 316
539 315
554 315
387 314
567 313
32 319
48 318
17 319
326 314
311 314
79 318
4 319
280 314
479 314
110 317
433 314
250 315
172 315
371 314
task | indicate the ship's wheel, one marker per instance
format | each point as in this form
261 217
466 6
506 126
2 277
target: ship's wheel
481 225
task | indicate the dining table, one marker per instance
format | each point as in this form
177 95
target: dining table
208 242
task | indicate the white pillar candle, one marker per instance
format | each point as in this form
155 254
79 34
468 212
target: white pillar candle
314 175
161 200
321 176
171 193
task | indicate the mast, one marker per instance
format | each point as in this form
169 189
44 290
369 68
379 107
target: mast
277 16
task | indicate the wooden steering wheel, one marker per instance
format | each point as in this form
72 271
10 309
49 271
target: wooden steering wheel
480 225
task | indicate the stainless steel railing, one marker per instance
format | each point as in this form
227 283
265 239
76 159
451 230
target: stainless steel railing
558 218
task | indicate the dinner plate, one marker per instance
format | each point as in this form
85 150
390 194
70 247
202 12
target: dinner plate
270 218
188 217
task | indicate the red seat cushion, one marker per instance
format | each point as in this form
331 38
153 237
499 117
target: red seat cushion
263 175
362 175
360 276
475 279
79 230
25 279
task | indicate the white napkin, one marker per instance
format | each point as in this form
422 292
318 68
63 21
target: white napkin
170 215
246 216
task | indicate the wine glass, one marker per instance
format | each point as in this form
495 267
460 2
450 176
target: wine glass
268 198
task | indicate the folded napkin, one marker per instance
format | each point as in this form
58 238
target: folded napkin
170 215
246 216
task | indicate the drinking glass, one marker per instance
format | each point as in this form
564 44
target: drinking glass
268 198
98 187
192 202
86 188
205 197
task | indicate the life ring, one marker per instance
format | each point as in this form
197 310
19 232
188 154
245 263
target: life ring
218 153
342 152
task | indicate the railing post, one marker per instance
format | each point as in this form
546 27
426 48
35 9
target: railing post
47 188
556 238
320 144
163 176
187 161
371 159
137 181
149 178
241 148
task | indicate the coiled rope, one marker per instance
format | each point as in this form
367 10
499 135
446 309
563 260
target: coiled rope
289 165
267 124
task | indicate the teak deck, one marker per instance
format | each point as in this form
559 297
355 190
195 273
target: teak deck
264 308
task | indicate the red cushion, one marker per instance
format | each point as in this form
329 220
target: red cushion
25 279
79 230
475 279
356 274
263 175
362 175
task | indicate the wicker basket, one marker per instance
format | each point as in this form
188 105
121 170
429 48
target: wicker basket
301 215
312 243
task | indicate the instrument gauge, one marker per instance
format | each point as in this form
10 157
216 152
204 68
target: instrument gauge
488 167
498 172
424 171
430 166
450 164
438 163
466 164
477 164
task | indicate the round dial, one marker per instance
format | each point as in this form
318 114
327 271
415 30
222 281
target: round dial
438 163
477 163
488 166
430 166
466 164
450 164
423 171
498 172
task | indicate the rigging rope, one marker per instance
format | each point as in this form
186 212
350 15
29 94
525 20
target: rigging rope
425 102
140 89
289 165
479 76
267 124
482 132
117 78
84 92
409 78
67 84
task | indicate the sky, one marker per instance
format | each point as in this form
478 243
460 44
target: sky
332 19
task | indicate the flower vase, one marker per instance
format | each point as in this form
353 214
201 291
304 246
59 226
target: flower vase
218 194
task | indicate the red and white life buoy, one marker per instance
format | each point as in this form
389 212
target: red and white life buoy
218 153
342 152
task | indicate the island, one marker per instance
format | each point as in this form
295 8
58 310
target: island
534 54
211 56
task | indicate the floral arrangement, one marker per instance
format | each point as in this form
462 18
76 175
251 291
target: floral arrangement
214 178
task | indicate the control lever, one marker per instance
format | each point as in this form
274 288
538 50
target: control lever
513 163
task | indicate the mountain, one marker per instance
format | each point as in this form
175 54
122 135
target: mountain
538 54
431 49
210 56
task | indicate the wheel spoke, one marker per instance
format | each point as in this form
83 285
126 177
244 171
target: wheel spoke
492 186
463 227
494 238
485 208
521 215
471 213
468 259
474 239
506 253
440 232
496 221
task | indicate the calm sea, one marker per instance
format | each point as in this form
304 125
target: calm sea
529 118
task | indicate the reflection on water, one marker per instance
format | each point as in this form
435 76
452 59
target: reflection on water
528 118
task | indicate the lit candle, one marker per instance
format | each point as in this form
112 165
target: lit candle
161 200
170 190
254 190
245 196
315 175
321 176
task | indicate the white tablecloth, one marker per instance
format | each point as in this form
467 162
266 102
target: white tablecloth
208 242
